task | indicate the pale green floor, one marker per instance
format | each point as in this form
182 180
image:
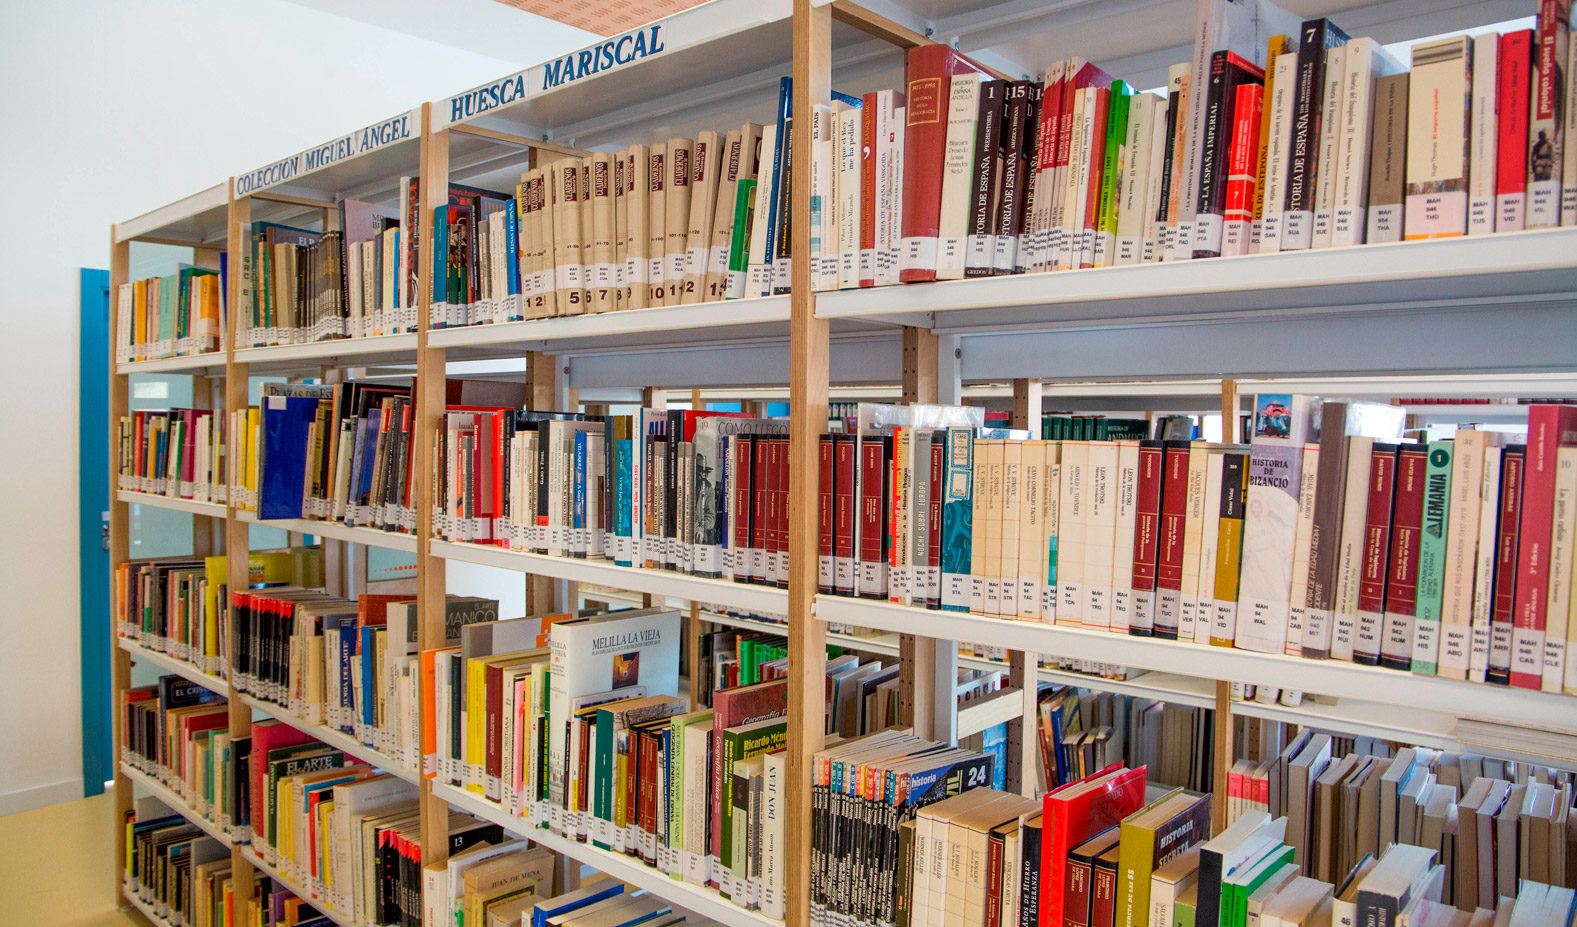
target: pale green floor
57 867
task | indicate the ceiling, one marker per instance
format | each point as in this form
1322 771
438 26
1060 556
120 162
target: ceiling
605 17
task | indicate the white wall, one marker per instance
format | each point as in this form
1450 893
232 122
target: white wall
110 109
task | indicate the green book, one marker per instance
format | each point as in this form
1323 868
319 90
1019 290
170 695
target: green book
742 743
681 728
293 761
1432 559
739 244
1236 889
1184 909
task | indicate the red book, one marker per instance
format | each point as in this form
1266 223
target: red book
743 498
493 731
731 708
826 491
1511 177
1401 582
868 190
1147 530
1075 813
268 736
1376 553
994 879
843 534
1512 462
1103 890
1550 428
930 69
1081 74
1095 151
780 486
1242 162
873 500
1169 560
758 509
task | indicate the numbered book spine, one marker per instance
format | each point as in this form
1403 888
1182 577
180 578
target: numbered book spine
1432 557
1319 36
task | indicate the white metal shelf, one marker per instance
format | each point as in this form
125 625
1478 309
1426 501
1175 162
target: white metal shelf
743 596
199 218
693 898
333 352
252 857
699 324
169 664
209 364
372 537
1482 270
336 739
209 509
177 804
130 895
1333 677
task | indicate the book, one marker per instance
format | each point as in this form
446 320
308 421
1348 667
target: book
1439 100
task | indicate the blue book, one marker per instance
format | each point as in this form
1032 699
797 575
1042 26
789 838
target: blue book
399 291
621 503
440 257
345 625
578 508
372 424
368 684
774 196
574 901
284 459
512 248
994 743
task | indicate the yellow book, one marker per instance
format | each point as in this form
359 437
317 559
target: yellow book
254 424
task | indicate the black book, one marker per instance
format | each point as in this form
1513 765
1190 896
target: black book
1008 210
1317 37
1228 72
978 252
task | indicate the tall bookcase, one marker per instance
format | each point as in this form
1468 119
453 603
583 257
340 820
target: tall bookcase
1429 311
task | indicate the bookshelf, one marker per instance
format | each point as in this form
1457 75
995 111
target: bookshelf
1481 316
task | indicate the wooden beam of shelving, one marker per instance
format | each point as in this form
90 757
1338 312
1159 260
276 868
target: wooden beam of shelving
808 373
120 552
1221 740
430 574
542 382
176 243
925 699
653 397
237 532
287 198
534 144
879 26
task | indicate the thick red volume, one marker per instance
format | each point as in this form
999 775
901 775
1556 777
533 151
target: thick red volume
1103 894
742 506
843 532
1407 526
1241 164
826 491
1550 428
1377 539
872 527
1081 74
930 69
758 509
993 880
1512 462
780 484
1516 74
1174 519
1075 813
867 188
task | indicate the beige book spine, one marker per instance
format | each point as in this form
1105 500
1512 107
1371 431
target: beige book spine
1349 563
1100 534
1031 528
547 266
587 238
1210 527
1456 605
977 549
1070 534
1193 536
637 177
657 225
681 170
714 281
992 453
621 238
1051 479
1012 514
1559 597
1127 490
603 285
1072 204
703 203
566 228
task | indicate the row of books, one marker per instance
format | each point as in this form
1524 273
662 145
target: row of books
1324 537
183 875
173 605
1493 823
170 316
179 453
1081 731
177 733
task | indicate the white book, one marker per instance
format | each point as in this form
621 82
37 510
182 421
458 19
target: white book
1031 529
1461 554
849 199
1074 193
1283 102
1563 541
1484 565
1135 188
1127 524
1569 149
1366 61
1546 119
1071 516
759 259
1330 134
958 173
1204 611
895 227
773 849
1437 133
1270 531
1350 552
1100 533
1484 129
1188 626
1303 547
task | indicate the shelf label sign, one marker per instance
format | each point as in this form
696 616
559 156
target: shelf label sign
379 135
607 55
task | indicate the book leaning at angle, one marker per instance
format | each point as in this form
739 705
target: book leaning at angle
1281 427
603 653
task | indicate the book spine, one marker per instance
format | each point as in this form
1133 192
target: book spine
1241 192
980 245
926 116
1485 134
1146 537
1546 129
1229 548
873 499
1401 585
844 514
1513 465
868 190
1319 36
1511 169
1548 429
1376 550
1439 96
826 517
1170 540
